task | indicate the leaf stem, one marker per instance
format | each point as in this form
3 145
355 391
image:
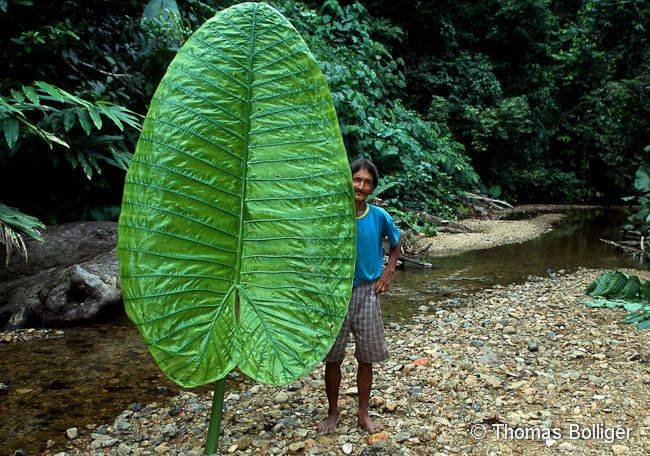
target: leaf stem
215 417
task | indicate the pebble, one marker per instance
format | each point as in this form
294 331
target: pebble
281 397
25 335
377 437
620 449
72 433
428 406
123 450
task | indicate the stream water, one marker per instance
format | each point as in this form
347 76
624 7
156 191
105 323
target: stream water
94 372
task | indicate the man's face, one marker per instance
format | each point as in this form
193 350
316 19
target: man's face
362 183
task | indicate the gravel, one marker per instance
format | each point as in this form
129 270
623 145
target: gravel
438 388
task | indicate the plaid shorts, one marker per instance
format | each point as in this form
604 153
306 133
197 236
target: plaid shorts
364 319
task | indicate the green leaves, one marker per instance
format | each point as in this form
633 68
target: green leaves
236 236
10 129
640 219
59 112
642 179
13 224
617 289
162 10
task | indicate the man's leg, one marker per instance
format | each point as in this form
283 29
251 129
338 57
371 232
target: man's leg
332 384
364 385
370 348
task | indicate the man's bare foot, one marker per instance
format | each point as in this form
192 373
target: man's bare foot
365 422
328 425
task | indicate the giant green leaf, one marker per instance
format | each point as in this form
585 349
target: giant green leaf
236 236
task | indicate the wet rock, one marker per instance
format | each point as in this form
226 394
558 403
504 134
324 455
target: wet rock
103 441
135 407
123 450
72 433
121 424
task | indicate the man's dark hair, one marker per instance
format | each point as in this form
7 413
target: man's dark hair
364 163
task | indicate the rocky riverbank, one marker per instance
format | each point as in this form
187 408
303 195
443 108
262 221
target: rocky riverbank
24 335
528 357
484 234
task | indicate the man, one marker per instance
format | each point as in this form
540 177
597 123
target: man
364 316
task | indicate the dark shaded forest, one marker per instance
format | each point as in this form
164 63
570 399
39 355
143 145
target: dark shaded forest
527 101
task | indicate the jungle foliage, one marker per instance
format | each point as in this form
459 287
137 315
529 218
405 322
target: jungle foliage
640 220
549 98
530 101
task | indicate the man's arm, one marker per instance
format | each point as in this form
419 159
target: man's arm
383 282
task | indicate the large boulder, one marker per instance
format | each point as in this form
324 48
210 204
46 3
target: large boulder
69 277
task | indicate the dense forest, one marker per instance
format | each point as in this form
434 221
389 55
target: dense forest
528 101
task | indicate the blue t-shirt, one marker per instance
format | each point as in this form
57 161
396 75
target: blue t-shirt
372 226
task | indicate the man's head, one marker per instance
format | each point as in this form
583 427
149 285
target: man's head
364 178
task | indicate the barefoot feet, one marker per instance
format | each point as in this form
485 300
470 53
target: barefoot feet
328 425
365 422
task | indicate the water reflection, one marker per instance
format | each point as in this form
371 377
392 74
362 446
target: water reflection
574 244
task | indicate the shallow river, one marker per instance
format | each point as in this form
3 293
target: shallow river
94 372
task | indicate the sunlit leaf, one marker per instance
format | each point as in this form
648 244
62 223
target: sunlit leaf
236 236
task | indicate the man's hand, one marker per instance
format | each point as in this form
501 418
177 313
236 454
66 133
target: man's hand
383 283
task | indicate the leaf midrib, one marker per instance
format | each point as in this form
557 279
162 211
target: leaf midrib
244 164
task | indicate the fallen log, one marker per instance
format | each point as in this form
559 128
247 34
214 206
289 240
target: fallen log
497 204
416 262
634 250
72 276
444 224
